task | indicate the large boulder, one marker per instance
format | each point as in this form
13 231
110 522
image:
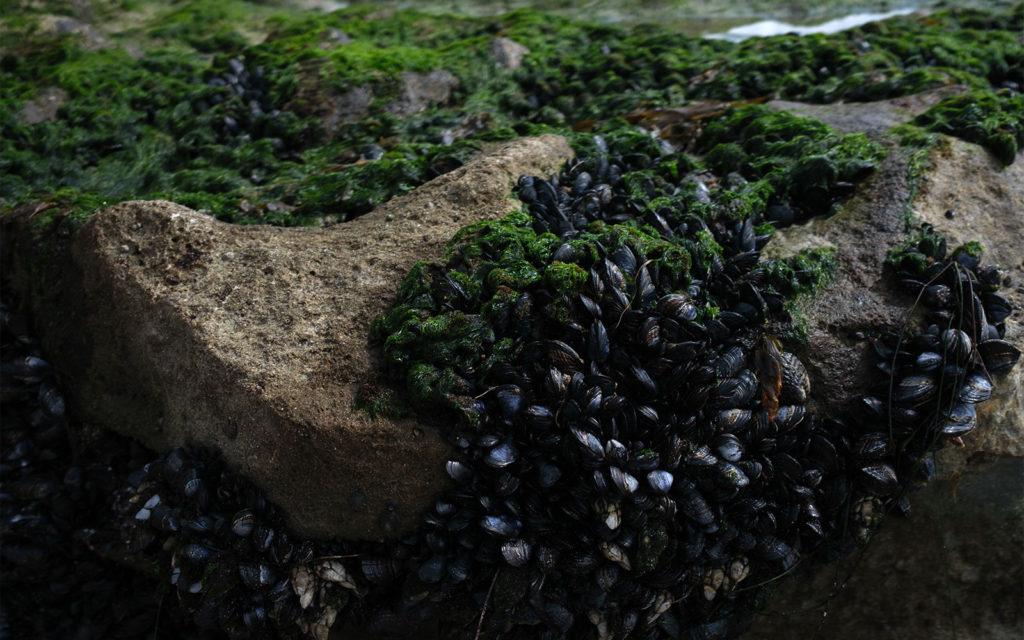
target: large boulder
177 329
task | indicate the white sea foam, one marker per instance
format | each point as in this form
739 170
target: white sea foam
766 28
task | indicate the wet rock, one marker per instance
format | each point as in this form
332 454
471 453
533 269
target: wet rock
314 98
43 107
508 53
951 570
92 40
422 90
942 572
175 328
333 37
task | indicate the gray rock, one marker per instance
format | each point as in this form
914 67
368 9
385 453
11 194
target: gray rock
91 38
422 90
508 53
314 97
174 328
953 568
43 107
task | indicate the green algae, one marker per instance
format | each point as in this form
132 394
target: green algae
803 274
798 161
993 119
918 251
131 126
475 310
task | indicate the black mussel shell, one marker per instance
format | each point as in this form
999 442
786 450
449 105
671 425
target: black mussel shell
928 361
660 480
796 385
500 526
960 420
999 356
516 552
957 344
243 522
678 306
872 446
997 308
878 479
729 447
459 471
501 455
976 388
916 389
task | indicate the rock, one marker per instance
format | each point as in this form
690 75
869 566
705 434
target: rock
91 39
174 328
422 90
43 107
508 53
333 37
952 569
313 97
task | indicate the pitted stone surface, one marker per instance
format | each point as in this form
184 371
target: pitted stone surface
175 328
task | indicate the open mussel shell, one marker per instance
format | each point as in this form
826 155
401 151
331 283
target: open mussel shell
976 388
879 479
959 420
997 307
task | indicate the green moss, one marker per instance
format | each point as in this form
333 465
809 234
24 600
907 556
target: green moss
803 274
919 251
993 119
786 158
131 126
565 278
972 249
377 400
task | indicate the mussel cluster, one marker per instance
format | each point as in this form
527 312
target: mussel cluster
636 458
65 574
232 562
934 377
100 538
245 106
635 447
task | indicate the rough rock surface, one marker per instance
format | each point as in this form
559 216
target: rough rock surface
508 53
44 106
175 328
955 567
422 90
315 96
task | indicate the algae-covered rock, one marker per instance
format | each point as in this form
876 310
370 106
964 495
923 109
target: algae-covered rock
952 569
174 328
256 342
